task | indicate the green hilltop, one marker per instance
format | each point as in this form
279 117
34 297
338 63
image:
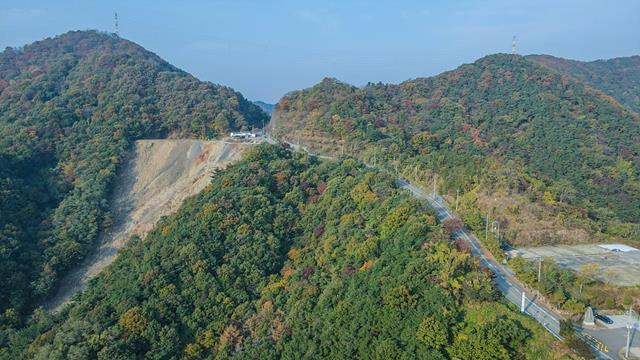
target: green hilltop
70 107
502 126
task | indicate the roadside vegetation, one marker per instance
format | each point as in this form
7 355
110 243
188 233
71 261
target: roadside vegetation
571 292
571 339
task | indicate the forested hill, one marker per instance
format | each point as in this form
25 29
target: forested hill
619 77
286 257
502 121
70 106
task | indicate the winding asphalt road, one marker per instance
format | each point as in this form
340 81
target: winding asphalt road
508 285
504 278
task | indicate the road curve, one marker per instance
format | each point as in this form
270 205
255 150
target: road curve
504 280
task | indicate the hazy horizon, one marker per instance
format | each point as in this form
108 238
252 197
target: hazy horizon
265 50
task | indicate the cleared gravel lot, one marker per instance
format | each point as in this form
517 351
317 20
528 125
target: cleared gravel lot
620 268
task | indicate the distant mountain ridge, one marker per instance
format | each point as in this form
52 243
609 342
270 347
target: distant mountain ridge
618 77
268 108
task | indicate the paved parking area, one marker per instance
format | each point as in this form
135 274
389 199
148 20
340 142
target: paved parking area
619 321
620 268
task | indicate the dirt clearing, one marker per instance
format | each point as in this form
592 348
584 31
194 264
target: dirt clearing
616 267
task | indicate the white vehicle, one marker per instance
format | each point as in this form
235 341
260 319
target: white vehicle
242 135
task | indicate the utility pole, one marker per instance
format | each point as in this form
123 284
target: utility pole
539 269
457 198
513 45
630 324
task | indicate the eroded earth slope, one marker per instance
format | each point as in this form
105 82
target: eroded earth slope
158 177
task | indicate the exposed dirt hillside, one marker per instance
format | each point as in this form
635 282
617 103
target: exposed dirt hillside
158 176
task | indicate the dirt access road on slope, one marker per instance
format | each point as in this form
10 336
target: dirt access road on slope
157 177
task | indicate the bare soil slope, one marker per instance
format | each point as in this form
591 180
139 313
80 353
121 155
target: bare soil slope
158 177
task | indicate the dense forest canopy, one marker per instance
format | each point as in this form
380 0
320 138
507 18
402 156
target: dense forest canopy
283 256
502 120
619 77
70 107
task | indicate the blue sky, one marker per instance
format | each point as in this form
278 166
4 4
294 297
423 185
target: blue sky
267 48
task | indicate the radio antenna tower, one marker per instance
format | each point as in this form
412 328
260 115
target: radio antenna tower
117 30
513 45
